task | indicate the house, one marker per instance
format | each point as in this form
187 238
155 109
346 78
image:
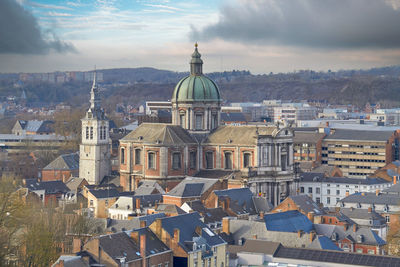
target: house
258 252
211 216
330 190
138 248
114 225
193 188
22 127
168 209
129 206
302 203
62 168
100 200
49 192
193 243
307 148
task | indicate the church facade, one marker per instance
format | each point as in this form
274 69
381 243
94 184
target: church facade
260 156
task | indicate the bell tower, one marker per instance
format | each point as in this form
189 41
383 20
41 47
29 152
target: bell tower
94 154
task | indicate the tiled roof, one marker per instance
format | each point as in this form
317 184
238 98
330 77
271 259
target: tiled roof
306 204
187 223
239 135
242 197
64 162
360 135
192 187
159 133
50 187
289 221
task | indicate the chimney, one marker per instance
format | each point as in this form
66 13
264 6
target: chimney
310 216
262 215
345 226
225 225
369 209
377 192
135 236
347 194
312 235
354 228
138 203
299 233
198 230
137 181
142 224
143 249
394 179
254 236
351 208
176 235
226 203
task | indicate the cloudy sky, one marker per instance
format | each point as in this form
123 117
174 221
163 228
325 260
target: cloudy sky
256 35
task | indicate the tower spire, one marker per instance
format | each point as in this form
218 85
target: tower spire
196 64
94 94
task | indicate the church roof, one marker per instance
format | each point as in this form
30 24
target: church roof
159 133
239 135
64 162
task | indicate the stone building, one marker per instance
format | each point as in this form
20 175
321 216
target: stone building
94 155
261 157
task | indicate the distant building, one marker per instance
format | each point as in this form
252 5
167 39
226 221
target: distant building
62 168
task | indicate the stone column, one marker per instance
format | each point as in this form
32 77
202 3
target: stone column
269 155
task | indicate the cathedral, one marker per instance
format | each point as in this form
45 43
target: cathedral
194 144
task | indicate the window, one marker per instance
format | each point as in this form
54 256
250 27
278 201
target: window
318 190
359 250
91 133
371 251
387 218
138 159
337 200
122 155
193 159
151 164
182 120
101 132
214 122
246 160
328 191
106 202
209 159
176 161
228 160
328 200
310 190
199 122
87 132
104 132
337 192
301 189
318 200
91 202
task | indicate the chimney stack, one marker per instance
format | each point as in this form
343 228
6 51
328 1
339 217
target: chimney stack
394 179
254 236
143 249
299 233
176 235
310 216
138 203
369 209
262 215
312 235
142 224
354 228
345 226
377 192
198 230
225 225
135 236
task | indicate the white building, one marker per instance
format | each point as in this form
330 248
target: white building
94 156
294 113
329 191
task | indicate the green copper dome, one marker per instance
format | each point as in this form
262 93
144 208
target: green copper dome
196 86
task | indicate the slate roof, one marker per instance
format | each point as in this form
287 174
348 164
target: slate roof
50 187
372 198
148 187
256 246
169 208
369 236
134 223
242 197
360 135
64 162
262 204
289 221
307 137
119 245
71 261
187 223
104 193
317 177
363 214
323 242
125 201
239 135
192 187
214 173
232 117
36 126
74 182
160 133
153 244
306 204
394 189
212 215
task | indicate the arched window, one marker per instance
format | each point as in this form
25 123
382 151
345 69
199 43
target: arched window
91 133
209 160
182 120
228 160
101 132
138 153
246 160
151 160
104 132
122 156
199 122
87 132
176 160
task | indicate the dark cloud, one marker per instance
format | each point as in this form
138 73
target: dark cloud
310 23
20 32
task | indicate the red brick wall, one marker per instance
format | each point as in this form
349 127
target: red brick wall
58 175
